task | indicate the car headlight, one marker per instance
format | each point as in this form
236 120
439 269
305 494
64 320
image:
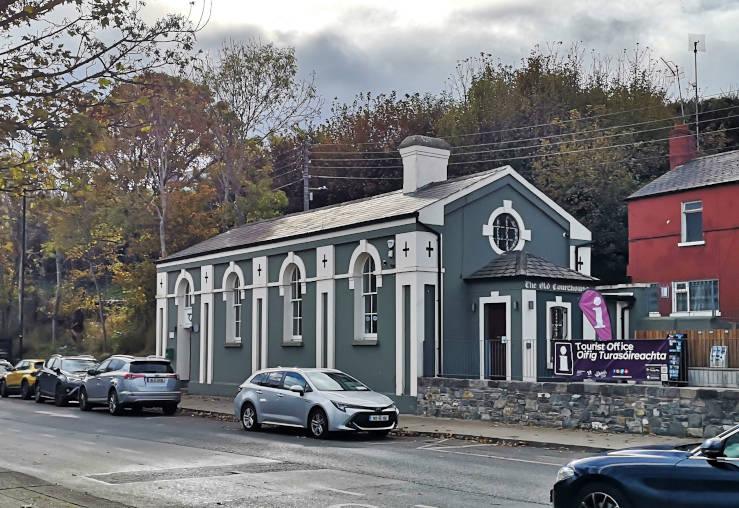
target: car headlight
340 405
564 473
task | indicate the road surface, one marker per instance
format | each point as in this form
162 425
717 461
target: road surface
185 460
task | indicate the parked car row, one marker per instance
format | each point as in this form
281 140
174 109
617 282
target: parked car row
118 383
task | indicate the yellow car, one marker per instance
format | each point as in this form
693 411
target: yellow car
21 379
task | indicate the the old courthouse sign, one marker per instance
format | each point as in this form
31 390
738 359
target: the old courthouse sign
544 285
638 360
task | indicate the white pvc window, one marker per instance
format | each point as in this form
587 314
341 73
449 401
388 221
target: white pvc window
695 296
369 297
237 309
692 222
296 303
505 232
189 296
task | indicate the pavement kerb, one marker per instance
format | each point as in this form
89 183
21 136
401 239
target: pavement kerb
228 416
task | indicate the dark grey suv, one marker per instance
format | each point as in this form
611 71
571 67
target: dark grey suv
132 382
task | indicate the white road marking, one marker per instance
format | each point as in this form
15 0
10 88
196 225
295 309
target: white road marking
423 506
58 415
342 491
455 447
427 445
498 457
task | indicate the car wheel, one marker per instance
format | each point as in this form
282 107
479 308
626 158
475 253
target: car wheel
3 390
249 420
37 394
318 424
60 398
169 409
114 405
82 399
600 495
25 390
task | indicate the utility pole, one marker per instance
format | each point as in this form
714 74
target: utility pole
21 281
306 190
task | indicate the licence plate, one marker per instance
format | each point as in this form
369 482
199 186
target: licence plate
155 380
379 418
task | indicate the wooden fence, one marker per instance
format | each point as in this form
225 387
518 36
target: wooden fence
700 342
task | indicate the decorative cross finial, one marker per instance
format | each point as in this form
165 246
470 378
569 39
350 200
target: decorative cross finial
161 283
206 276
324 261
580 262
406 249
259 269
429 249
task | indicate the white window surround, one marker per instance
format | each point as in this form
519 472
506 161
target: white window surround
184 295
291 263
356 265
524 235
296 305
549 305
691 313
687 208
369 298
233 287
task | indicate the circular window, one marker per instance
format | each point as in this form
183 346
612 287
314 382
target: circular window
505 232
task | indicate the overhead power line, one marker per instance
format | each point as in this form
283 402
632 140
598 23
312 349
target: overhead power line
357 167
592 149
288 184
357 177
607 136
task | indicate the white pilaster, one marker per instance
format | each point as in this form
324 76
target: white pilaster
259 292
528 334
206 324
325 270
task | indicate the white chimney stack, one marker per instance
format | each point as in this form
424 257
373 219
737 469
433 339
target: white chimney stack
424 161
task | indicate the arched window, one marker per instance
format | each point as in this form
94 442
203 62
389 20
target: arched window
296 303
189 297
369 296
237 310
233 296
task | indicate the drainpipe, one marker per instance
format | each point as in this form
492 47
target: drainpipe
439 292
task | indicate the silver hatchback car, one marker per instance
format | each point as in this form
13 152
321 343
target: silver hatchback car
320 400
124 381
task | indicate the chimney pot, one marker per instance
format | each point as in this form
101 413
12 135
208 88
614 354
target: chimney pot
682 145
424 161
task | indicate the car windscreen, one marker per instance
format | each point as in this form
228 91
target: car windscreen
335 382
77 365
151 368
38 365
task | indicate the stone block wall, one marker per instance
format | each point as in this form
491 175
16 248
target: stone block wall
639 409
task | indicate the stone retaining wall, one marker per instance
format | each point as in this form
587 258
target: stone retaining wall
640 409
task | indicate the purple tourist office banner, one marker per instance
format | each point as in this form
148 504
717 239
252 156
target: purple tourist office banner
593 306
637 360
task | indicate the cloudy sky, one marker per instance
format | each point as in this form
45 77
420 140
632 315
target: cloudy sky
413 45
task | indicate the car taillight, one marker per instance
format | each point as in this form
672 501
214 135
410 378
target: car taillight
133 376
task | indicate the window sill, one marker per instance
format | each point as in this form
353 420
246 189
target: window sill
697 313
691 244
232 344
654 314
292 343
365 342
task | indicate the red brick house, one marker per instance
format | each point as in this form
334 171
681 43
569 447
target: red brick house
684 237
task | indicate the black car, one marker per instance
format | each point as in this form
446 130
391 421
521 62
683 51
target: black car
679 477
61 377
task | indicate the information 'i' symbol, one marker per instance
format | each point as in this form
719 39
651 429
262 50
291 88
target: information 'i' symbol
598 312
564 362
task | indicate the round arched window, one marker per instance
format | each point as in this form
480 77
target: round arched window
505 232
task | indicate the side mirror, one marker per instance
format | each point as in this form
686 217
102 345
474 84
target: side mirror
58 371
298 389
712 448
92 372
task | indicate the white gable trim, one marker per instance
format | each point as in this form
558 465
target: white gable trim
434 213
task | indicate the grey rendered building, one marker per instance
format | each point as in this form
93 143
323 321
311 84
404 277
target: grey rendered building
355 286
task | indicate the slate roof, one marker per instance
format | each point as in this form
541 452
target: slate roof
702 172
383 207
523 264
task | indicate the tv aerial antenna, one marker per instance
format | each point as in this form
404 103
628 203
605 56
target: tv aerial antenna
675 70
696 43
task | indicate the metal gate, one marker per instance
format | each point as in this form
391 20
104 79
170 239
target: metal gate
495 358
